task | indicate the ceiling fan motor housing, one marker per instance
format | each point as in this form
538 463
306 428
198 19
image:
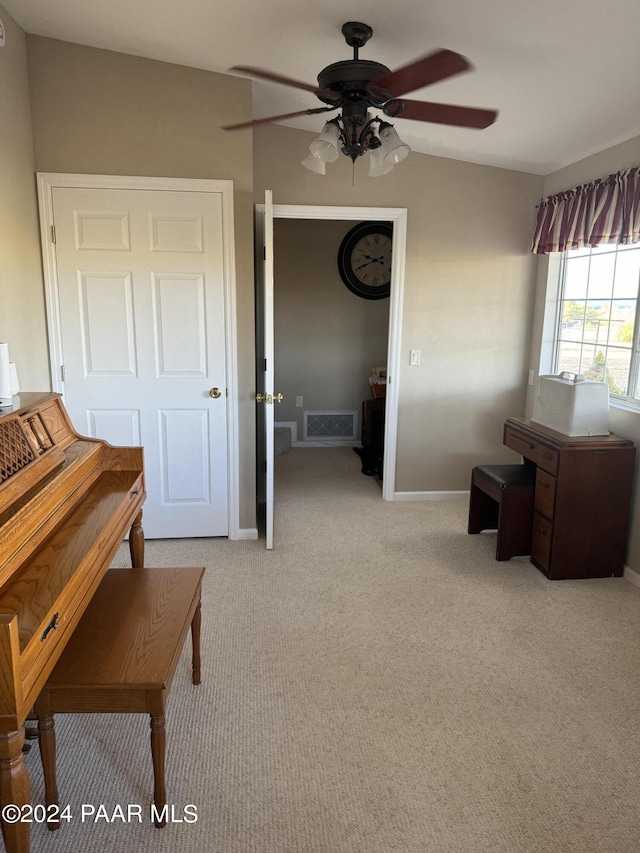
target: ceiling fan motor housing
349 79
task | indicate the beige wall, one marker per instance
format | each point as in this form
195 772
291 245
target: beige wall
469 293
624 423
327 339
22 318
99 112
469 275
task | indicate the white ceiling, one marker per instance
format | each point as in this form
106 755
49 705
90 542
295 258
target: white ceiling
564 74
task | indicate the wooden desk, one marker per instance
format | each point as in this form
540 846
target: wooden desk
582 499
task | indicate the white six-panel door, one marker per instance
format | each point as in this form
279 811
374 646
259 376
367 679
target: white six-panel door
141 301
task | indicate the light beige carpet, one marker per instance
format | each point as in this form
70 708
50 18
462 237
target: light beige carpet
377 683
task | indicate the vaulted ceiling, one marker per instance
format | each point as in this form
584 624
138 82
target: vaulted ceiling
563 74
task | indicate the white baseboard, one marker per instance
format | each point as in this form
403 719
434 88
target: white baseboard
247 533
428 496
327 442
632 575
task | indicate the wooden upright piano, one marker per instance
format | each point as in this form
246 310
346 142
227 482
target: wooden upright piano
66 504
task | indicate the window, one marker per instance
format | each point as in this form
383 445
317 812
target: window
598 324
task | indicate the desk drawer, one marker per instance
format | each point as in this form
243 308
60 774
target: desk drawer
547 459
543 456
541 531
526 447
545 493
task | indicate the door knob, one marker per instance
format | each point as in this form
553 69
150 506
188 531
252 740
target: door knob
269 398
215 393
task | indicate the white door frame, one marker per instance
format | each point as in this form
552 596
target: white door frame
47 181
398 216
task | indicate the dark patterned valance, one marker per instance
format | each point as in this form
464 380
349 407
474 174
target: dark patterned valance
603 211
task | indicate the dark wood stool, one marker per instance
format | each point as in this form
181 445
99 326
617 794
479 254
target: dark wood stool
502 500
121 660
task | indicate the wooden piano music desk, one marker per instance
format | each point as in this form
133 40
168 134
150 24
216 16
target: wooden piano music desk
66 504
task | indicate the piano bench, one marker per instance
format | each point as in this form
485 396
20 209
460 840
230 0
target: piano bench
121 660
502 499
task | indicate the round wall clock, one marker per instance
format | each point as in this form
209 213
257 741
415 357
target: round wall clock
364 259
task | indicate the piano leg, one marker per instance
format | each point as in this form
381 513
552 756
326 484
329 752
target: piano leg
47 741
14 790
136 542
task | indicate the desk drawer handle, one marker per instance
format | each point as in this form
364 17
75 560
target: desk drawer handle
523 441
50 627
134 492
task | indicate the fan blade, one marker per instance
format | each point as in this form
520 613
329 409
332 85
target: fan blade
430 69
258 121
275 78
441 113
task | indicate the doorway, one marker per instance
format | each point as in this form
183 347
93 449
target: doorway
329 342
265 216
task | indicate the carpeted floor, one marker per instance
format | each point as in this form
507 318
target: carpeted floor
377 683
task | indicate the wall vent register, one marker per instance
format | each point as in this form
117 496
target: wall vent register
330 425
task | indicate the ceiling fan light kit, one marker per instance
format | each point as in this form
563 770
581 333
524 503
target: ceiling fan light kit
325 147
314 165
354 86
376 137
377 165
393 147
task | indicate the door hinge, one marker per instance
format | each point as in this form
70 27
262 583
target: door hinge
63 374
264 253
53 233
265 364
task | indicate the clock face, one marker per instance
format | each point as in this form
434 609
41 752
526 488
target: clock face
364 259
371 260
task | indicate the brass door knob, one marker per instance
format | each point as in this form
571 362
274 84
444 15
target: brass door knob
269 398
215 393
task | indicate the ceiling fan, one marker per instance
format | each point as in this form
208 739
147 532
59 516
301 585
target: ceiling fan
355 85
